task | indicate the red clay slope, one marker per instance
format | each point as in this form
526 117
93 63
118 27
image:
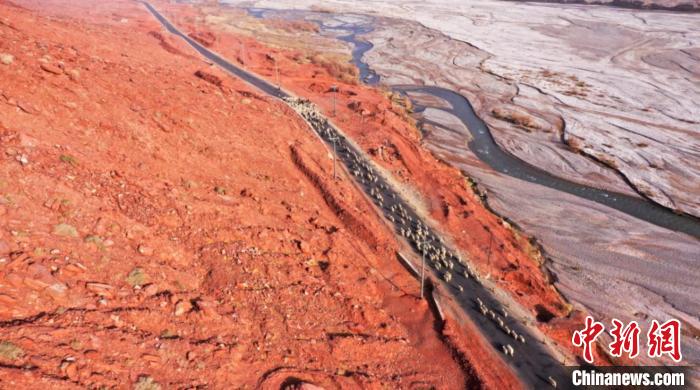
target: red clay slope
162 227
379 123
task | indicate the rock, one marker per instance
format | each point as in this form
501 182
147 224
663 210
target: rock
64 229
28 108
150 290
10 351
74 75
74 269
96 240
51 68
146 383
145 250
101 289
68 159
71 370
6 59
182 307
22 159
137 277
57 290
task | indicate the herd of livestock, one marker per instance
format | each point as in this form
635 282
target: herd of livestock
406 222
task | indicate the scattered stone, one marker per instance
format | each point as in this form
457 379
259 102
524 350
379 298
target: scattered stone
57 290
6 58
146 383
137 277
64 229
28 108
168 334
145 250
22 159
51 68
9 351
74 269
70 369
76 345
220 190
150 290
96 240
68 159
182 307
100 289
74 75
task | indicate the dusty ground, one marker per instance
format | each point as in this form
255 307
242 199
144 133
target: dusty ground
165 226
628 102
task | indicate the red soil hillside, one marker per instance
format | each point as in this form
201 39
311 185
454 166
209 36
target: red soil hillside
380 124
164 226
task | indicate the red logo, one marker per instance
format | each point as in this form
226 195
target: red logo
586 337
626 339
665 339
662 339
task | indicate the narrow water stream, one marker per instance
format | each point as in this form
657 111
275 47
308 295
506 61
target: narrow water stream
483 145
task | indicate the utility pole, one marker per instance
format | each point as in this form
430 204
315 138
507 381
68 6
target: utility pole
488 259
422 273
334 157
277 72
334 90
